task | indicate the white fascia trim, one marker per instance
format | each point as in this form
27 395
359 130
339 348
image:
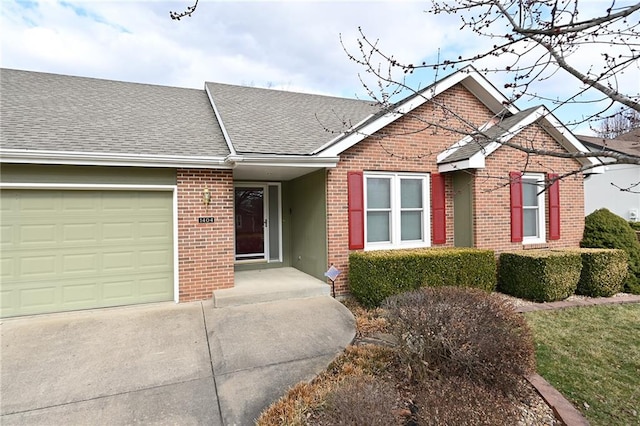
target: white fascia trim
227 138
102 159
342 143
567 139
475 162
281 161
495 100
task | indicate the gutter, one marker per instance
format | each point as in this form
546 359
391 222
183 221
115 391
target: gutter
107 159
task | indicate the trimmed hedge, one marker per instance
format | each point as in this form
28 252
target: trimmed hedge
376 275
539 275
603 272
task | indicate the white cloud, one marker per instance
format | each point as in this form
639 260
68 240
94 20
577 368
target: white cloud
284 44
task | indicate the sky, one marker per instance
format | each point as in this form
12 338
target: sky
289 45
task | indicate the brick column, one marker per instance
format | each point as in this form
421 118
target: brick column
205 250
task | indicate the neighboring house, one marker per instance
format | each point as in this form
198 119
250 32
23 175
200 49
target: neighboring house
119 193
618 188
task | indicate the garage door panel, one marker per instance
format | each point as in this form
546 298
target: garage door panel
118 291
155 259
112 204
86 254
37 298
84 233
6 266
119 261
80 263
6 235
156 230
154 286
79 202
37 204
121 232
38 234
81 294
37 266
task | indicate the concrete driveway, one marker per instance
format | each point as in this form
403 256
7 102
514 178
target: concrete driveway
165 363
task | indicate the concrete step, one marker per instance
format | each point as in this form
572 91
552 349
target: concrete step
267 285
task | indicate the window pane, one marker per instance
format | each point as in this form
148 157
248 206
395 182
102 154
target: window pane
411 193
530 222
530 193
411 226
378 193
378 227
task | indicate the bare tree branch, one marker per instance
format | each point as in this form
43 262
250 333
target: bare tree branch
188 12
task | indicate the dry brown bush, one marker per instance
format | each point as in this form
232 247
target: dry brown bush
458 332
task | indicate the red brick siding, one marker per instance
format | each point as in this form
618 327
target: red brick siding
491 194
205 251
410 145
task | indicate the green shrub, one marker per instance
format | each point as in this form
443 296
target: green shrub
539 275
603 272
634 225
603 229
461 332
376 275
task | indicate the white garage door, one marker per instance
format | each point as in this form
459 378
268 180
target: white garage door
65 250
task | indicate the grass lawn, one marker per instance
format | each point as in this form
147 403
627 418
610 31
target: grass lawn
592 356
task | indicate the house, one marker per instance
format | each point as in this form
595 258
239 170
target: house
617 188
119 193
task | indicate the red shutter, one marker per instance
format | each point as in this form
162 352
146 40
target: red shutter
355 187
515 186
554 206
438 209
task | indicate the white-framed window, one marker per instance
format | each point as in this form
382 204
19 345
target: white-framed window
397 213
533 208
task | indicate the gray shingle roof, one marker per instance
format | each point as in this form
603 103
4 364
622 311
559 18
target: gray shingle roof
265 121
49 112
490 135
628 143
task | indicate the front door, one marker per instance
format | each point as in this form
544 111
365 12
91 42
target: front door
250 223
258 212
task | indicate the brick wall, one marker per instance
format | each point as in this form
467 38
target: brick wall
492 221
205 250
411 144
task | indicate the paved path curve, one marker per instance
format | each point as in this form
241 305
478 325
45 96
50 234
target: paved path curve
184 364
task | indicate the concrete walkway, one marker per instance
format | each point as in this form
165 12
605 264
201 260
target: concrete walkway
186 364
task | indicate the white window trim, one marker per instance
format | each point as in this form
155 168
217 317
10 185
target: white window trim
542 230
396 242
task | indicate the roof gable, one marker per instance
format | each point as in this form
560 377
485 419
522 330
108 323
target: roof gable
469 77
472 150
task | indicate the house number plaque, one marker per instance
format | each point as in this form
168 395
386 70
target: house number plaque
205 220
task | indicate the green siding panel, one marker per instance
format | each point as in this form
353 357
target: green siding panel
309 224
33 173
463 209
68 250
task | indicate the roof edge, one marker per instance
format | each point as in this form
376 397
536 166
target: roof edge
102 159
223 128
